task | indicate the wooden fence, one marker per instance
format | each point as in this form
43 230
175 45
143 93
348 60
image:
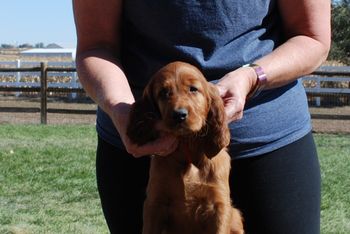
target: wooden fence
328 81
19 74
42 88
316 89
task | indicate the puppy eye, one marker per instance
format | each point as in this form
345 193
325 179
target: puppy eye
164 93
193 89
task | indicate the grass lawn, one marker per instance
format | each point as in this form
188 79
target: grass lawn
334 152
47 180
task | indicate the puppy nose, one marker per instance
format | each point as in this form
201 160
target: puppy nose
180 115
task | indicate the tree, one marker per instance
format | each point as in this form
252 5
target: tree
39 45
340 31
7 46
25 45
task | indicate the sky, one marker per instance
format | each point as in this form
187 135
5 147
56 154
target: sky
35 21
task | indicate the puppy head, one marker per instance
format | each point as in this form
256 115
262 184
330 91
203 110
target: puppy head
180 93
188 105
183 103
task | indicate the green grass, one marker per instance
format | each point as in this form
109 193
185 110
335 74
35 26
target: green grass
334 152
47 180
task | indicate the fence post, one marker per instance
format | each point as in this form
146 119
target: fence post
318 87
43 92
18 75
74 85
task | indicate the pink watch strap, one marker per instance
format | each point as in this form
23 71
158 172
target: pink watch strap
261 80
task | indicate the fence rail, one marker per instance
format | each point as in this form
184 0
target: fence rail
24 69
45 70
42 87
326 81
24 64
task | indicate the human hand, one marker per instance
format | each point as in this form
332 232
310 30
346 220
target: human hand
234 88
162 146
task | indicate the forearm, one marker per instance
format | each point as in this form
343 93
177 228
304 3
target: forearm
298 56
99 31
103 79
306 24
105 82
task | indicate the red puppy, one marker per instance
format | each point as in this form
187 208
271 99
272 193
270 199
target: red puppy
188 190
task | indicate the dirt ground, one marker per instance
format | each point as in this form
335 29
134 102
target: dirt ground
331 126
20 111
327 120
331 119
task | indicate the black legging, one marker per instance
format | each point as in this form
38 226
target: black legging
277 193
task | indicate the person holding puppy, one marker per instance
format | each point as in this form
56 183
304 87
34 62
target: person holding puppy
254 51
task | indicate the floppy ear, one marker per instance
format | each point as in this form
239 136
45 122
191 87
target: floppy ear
142 119
217 134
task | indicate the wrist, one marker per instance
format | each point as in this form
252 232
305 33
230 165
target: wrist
260 80
112 100
119 115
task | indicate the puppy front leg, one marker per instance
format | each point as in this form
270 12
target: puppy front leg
224 218
236 222
154 218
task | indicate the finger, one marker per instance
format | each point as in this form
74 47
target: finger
233 113
170 149
162 146
165 145
236 117
222 90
